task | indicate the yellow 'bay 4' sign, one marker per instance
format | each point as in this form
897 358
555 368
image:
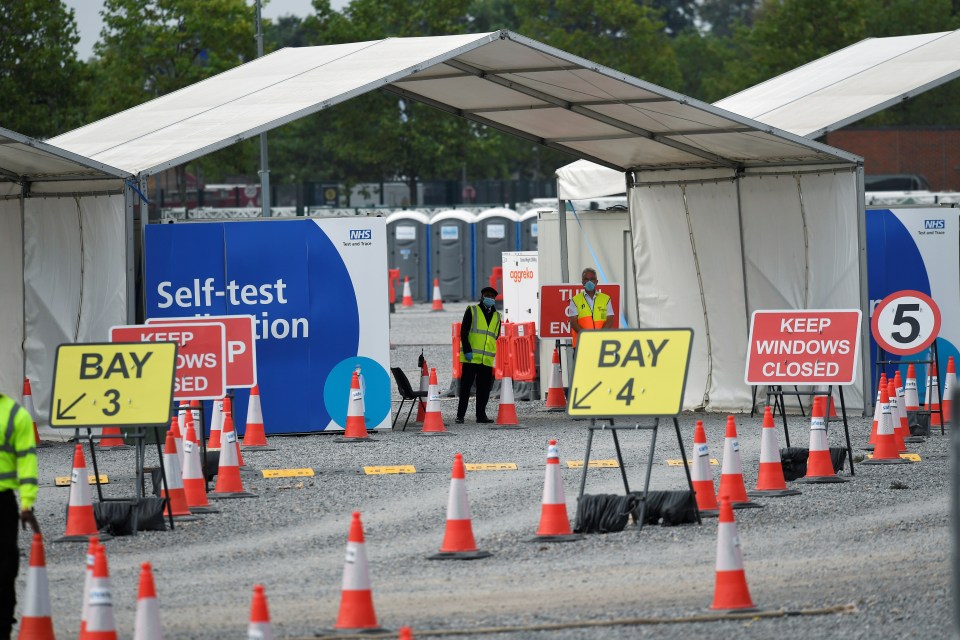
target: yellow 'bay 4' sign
630 372
113 384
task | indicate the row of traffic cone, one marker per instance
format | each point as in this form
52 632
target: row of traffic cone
407 300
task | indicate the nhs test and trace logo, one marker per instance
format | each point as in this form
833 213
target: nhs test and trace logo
366 234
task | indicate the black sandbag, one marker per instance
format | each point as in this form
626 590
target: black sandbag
603 513
115 517
793 460
919 423
150 514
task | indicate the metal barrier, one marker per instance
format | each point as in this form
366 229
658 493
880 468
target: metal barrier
516 351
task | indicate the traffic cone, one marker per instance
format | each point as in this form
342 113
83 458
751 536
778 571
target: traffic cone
406 633
229 484
216 425
197 417
507 411
933 397
254 438
259 627
901 418
30 408
770 480
194 484
910 390
177 438
407 296
425 389
100 622
437 299
895 416
177 505
36 622
356 427
112 438
80 521
432 420
554 522
458 542
147 623
949 384
876 414
730 589
228 417
87 581
701 475
731 473
556 397
885 451
819 464
356 596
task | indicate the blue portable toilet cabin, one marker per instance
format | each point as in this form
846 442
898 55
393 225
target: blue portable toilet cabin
529 229
496 232
451 253
408 249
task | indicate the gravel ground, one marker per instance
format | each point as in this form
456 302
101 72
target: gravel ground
864 543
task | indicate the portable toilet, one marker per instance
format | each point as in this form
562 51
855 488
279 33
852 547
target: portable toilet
529 228
408 250
451 242
496 233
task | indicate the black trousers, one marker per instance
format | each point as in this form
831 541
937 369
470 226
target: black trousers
9 560
483 375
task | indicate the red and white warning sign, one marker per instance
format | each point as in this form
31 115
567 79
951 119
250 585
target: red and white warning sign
241 346
201 355
905 322
555 299
810 347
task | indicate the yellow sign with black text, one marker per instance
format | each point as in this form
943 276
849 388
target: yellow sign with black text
113 384
630 372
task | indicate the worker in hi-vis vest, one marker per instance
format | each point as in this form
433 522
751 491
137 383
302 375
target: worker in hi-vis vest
479 331
589 309
18 473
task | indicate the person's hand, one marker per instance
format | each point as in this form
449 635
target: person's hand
469 356
27 517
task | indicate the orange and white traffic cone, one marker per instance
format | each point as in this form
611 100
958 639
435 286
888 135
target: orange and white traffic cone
30 408
36 622
556 397
80 521
424 389
100 621
433 420
895 416
437 298
406 633
886 450
876 414
216 425
147 623
770 479
112 438
356 427
356 595
701 476
910 392
507 411
177 437
194 484
254 437
229 484
407 295
458 542
949 384
177 498
901 419
259 627
228 416
730 589
819 465
87 582
731 473
554 522
933 397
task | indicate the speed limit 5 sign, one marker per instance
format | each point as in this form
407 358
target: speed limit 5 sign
905 322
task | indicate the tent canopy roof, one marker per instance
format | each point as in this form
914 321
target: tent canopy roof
24 159
851 84
500 79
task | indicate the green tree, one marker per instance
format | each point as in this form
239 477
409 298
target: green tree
721 17
42 83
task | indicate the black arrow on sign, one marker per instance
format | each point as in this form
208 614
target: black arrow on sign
62 413
578 402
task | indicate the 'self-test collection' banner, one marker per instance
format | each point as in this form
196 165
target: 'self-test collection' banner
318 293
917 248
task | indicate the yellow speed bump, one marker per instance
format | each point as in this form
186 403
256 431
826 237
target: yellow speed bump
287 473
679 463
594 464
389 469
491 466
64 481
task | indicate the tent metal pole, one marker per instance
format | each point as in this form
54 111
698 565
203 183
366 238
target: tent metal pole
130 257
264 161
23 278
562 219
743 266
868 398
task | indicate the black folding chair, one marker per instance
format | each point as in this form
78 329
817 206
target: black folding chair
406 393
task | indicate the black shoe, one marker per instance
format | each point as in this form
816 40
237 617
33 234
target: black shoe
484 420
459 420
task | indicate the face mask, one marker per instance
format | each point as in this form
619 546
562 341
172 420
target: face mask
590 285
488 302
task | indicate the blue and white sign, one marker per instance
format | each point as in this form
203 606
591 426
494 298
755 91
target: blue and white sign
317 293
917 248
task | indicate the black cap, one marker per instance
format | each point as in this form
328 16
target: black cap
491 290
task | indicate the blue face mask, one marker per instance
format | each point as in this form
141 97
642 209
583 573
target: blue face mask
489 302
590 285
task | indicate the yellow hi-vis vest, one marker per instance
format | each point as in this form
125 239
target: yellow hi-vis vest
18 452
590 318
483 337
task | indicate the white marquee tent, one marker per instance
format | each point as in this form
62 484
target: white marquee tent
745 170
